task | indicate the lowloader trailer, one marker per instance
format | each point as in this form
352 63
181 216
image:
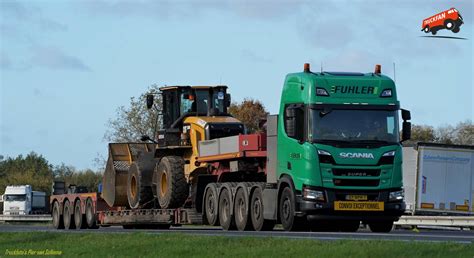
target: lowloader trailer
329 160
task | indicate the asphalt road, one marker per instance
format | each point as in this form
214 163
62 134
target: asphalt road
363 234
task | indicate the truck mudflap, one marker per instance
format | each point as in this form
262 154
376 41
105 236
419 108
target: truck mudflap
121 156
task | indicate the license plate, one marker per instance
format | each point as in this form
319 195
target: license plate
358 206
356 197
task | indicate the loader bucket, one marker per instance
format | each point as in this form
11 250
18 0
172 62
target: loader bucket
114 182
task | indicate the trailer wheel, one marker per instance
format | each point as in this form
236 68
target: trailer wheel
241 210
256 212
78 216
58 222
90 215
68 217
225 207
172 188
211 205
381 226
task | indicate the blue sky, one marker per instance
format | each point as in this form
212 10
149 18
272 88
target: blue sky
65 66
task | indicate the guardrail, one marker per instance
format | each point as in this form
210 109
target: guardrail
26 218
448 221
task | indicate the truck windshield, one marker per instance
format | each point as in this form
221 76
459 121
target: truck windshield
15 198
362 126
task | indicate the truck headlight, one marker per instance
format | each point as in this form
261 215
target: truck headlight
325 157
396 196
313 194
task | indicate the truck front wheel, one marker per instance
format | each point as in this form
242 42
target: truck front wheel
381 226
57 217
287 210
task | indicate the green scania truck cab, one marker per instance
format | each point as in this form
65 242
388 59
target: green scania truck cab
339 157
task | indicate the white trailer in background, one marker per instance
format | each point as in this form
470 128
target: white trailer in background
439 185
22 200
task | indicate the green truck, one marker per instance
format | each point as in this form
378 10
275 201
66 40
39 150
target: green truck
339 157
330 160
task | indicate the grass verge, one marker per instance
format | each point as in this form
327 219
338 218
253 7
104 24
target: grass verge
185 245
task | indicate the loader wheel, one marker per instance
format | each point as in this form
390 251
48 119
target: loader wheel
90 215
139 192
225 213
211 205
58 222
78 216
68 217
172 189
256 212
241 210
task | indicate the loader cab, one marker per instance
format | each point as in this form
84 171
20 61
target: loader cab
180 102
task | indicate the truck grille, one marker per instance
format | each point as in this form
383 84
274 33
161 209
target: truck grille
356 182
355 172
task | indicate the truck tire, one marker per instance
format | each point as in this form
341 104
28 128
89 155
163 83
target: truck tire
241 209
78 216
287 211
426 29
68 216
456 30
91 218
211 205
139 192
449 24
225 210
381 226
256 212
58 222
172 188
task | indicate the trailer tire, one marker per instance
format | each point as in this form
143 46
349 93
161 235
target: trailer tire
381 226
139 190
68 216
225 210
211 205
241 209
58 222
172 188
78 216
91 218
256 212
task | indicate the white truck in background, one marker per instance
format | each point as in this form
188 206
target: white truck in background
22 200
438 180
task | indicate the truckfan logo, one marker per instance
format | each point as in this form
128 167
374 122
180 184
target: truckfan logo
356 155
450 19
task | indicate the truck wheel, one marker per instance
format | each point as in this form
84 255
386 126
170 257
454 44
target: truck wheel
348 225
58 222
434 32
225 206
172 189
90 215
211 205
381 226
68 217
78 216
287 211
426 29
449 24
139 192
241 210
456 30
256 212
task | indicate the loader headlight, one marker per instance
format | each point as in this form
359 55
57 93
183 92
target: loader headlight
396 196
313 194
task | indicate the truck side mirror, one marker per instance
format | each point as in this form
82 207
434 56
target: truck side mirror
406 131
149 100
406 115
227 100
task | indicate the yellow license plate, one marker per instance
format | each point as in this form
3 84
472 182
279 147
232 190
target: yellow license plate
356 197
358 206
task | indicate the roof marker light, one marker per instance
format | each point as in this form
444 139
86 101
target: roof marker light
306 68
378 69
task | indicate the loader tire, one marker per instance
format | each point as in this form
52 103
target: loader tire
171 187
139 189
